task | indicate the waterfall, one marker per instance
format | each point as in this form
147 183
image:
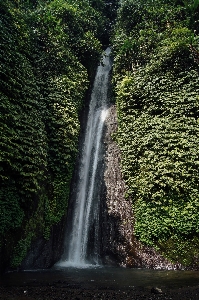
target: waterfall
85 212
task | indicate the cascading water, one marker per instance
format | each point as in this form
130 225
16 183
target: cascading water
85 212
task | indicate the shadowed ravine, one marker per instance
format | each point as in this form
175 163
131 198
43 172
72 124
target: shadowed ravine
100 230
100 218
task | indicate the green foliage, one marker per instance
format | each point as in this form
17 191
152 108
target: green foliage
157 95
11 215
181 249
49 49
20 250
144 25
80 23
34 227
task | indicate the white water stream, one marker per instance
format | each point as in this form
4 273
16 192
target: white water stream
86 208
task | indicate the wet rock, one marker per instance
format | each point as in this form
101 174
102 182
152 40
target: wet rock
119 242
156 290
45 253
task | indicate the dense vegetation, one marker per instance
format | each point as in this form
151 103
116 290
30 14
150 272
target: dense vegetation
49 53
156 78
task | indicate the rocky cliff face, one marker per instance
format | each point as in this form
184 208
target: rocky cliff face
120 245
44 253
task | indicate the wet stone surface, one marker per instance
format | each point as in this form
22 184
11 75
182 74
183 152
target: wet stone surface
99 283
120 243
60 290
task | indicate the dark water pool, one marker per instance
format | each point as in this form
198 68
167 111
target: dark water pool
103 277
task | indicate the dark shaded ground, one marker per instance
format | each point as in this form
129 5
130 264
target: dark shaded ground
61 290
99 282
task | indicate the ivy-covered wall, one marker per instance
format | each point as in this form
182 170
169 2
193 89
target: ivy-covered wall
49 52
156 79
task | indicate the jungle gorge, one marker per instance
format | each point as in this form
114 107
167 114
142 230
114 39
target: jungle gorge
49 53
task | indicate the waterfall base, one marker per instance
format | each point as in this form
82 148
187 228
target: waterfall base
71 264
